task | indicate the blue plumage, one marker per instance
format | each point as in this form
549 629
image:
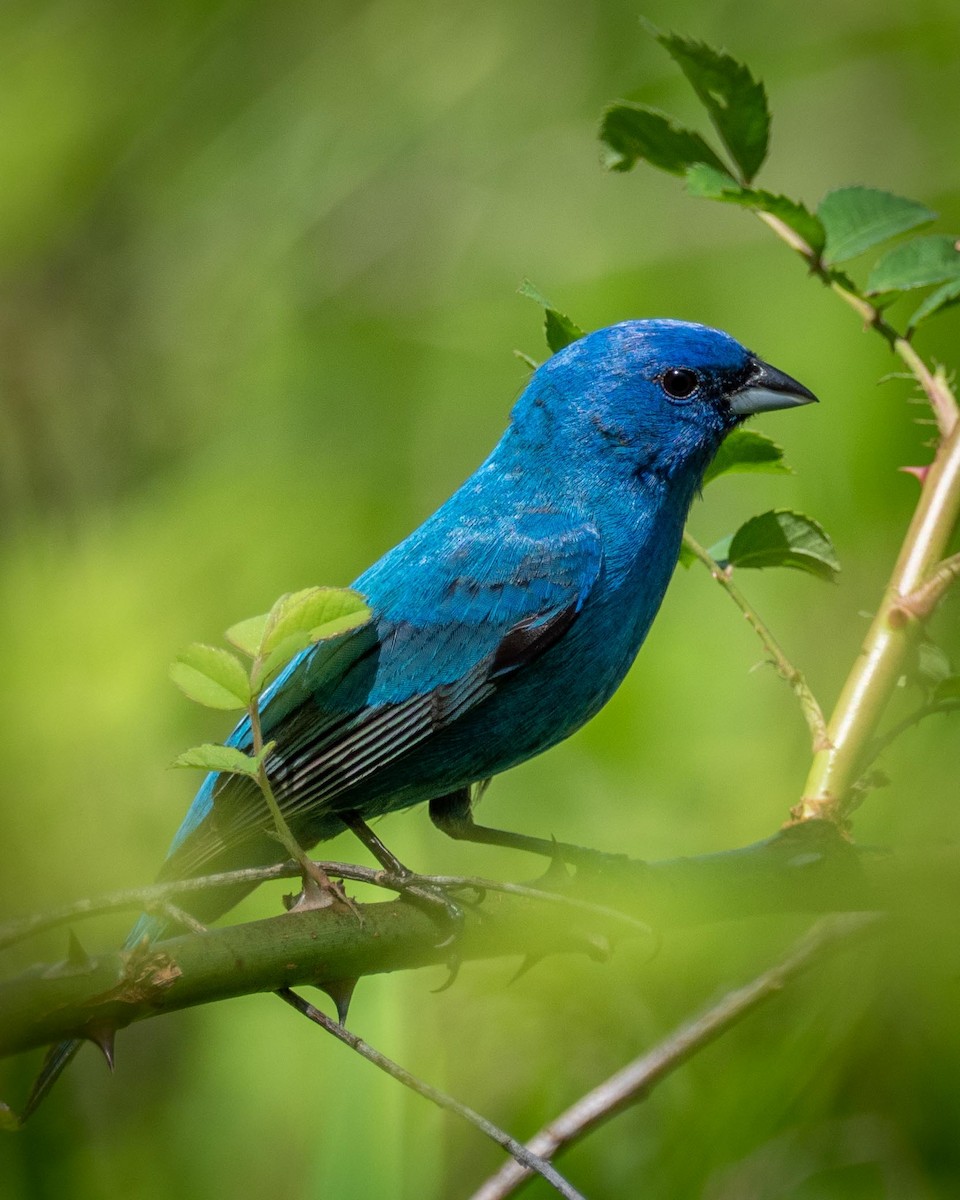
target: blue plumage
510 616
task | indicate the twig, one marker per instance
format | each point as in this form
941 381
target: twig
156 895
879 744
635 1081
935 387
810 707
530 1160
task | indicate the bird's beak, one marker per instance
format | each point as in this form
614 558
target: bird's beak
767 389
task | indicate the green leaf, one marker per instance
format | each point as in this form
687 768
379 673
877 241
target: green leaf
686 557
209 757
947 689
706 181
247 635
212 677
747 450
943 297
857 218
633 132
781 538
560 331
720 551
313 614
734 100
917 263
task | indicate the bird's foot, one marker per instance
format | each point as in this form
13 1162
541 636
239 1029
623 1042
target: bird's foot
320 891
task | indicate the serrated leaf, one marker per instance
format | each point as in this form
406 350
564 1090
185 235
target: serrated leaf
781 538
211 676
943 297
558 328
247 635
735 101
210 757
917 263
315 613
747 450
706 181
633 132
856 218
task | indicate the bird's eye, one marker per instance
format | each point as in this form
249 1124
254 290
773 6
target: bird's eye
679 383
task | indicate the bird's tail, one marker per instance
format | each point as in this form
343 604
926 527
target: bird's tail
60 1055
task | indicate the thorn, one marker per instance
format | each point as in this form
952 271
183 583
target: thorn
104 1037
340 992
453 965
557 873
76 955
919 473
529 962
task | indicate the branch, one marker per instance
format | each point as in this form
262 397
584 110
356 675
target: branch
893 632
809 705
805 868
934 384
634 1082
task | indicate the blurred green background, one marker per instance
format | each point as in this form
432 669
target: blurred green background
257 312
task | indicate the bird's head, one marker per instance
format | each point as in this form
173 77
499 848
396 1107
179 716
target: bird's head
654 396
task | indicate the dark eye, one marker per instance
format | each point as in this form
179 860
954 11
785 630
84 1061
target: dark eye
679 383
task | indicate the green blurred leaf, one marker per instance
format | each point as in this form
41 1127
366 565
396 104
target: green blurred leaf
734 100
210 757
856 218
720 551
704 180
9 1121
947 689
931 666
633 132
747 450
211 676
558 328
247 635
917 263
781 538
686 557
943 297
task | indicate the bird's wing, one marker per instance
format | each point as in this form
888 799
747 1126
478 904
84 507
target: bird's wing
452 619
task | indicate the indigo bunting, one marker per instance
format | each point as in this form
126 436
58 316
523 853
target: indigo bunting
506 620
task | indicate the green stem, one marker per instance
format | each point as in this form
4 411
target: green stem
308 868
809 706
937 390
880 663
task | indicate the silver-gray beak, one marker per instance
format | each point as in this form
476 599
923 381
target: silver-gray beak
768 389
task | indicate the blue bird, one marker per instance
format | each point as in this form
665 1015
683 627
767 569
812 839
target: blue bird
506 620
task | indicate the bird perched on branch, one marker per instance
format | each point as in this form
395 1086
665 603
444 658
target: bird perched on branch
506 620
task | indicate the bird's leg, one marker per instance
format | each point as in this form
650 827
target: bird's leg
430 897
452 815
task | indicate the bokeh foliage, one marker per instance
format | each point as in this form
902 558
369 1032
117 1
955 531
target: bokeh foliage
257 272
